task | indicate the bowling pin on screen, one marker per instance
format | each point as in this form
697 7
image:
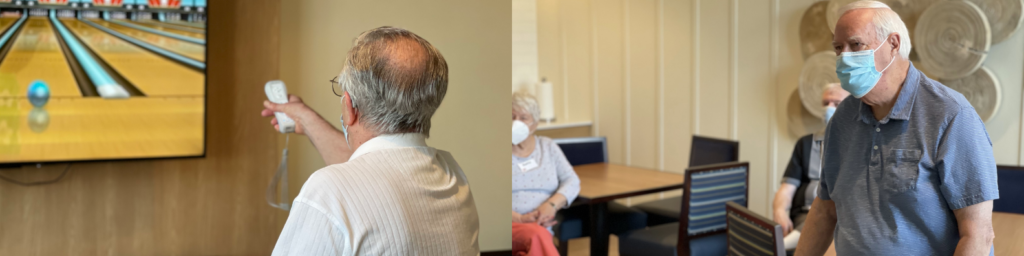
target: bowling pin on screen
102 79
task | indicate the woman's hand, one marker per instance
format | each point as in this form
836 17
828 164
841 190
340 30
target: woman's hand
524 218
546 214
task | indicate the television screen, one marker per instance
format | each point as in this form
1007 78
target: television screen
101 79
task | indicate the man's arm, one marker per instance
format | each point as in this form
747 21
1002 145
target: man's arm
818 228
328 141
783 201
975 223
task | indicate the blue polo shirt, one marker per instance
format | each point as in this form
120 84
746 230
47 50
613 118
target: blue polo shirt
896 182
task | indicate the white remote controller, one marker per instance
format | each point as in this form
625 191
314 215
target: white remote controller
279 95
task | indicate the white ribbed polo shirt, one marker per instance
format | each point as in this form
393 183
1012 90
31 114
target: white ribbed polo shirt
395 196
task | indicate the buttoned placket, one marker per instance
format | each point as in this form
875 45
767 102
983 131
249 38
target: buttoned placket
875 166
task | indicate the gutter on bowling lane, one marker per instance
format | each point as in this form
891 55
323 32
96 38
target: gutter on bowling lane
84 83
105 84
9 36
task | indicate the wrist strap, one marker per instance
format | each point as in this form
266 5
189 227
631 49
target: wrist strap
282 177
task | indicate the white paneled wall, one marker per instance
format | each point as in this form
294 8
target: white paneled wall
524 44
652 73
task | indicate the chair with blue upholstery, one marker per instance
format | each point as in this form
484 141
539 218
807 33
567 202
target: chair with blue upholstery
1011 193
575 221
706 191
703 151
750 233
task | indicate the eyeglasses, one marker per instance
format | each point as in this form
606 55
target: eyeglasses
335 86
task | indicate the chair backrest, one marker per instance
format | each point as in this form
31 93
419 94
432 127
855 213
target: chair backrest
706 190
584 150
706 150
752 234
1011 191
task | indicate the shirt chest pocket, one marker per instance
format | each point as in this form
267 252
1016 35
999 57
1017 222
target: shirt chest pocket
901 169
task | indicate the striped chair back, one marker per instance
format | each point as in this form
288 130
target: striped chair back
706 190
752 234
709 188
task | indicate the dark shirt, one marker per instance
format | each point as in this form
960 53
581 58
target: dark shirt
796 174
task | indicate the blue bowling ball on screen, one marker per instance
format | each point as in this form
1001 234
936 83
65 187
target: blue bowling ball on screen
38 93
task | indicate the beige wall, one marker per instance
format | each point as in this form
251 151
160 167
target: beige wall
474 37
651 73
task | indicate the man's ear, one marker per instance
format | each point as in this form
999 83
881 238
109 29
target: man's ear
351 115
894 40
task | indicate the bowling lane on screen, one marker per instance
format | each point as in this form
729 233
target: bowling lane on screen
150 73
165 25
170 28
190 24
96 128
191 50
36 55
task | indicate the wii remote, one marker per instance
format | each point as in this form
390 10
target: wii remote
277 94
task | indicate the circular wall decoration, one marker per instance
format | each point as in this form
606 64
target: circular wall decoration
799 121
953 39
981 89
819 70
910 11
832 12
1004 16
815 36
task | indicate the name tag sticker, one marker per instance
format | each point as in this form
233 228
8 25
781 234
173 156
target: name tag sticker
528 165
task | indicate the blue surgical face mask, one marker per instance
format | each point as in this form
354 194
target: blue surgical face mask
856 71
829 111
344 129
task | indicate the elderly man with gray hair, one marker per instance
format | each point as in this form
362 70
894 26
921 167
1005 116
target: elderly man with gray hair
384 191
908 166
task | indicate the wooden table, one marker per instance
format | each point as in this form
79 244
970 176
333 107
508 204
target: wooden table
604 182
1009 229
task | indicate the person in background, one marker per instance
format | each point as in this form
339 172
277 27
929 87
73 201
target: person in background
384 191
800 182
908 167
543 181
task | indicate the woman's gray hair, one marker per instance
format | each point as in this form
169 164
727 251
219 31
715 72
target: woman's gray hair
524 101
886 21
396 80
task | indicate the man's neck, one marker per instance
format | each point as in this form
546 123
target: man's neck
884 100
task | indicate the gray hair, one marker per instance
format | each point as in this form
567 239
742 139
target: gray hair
526 102
886 21
396 80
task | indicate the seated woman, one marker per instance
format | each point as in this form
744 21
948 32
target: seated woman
542 181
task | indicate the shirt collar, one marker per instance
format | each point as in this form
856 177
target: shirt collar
904 102
388 141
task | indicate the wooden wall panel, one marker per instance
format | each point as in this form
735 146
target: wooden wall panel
198 206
